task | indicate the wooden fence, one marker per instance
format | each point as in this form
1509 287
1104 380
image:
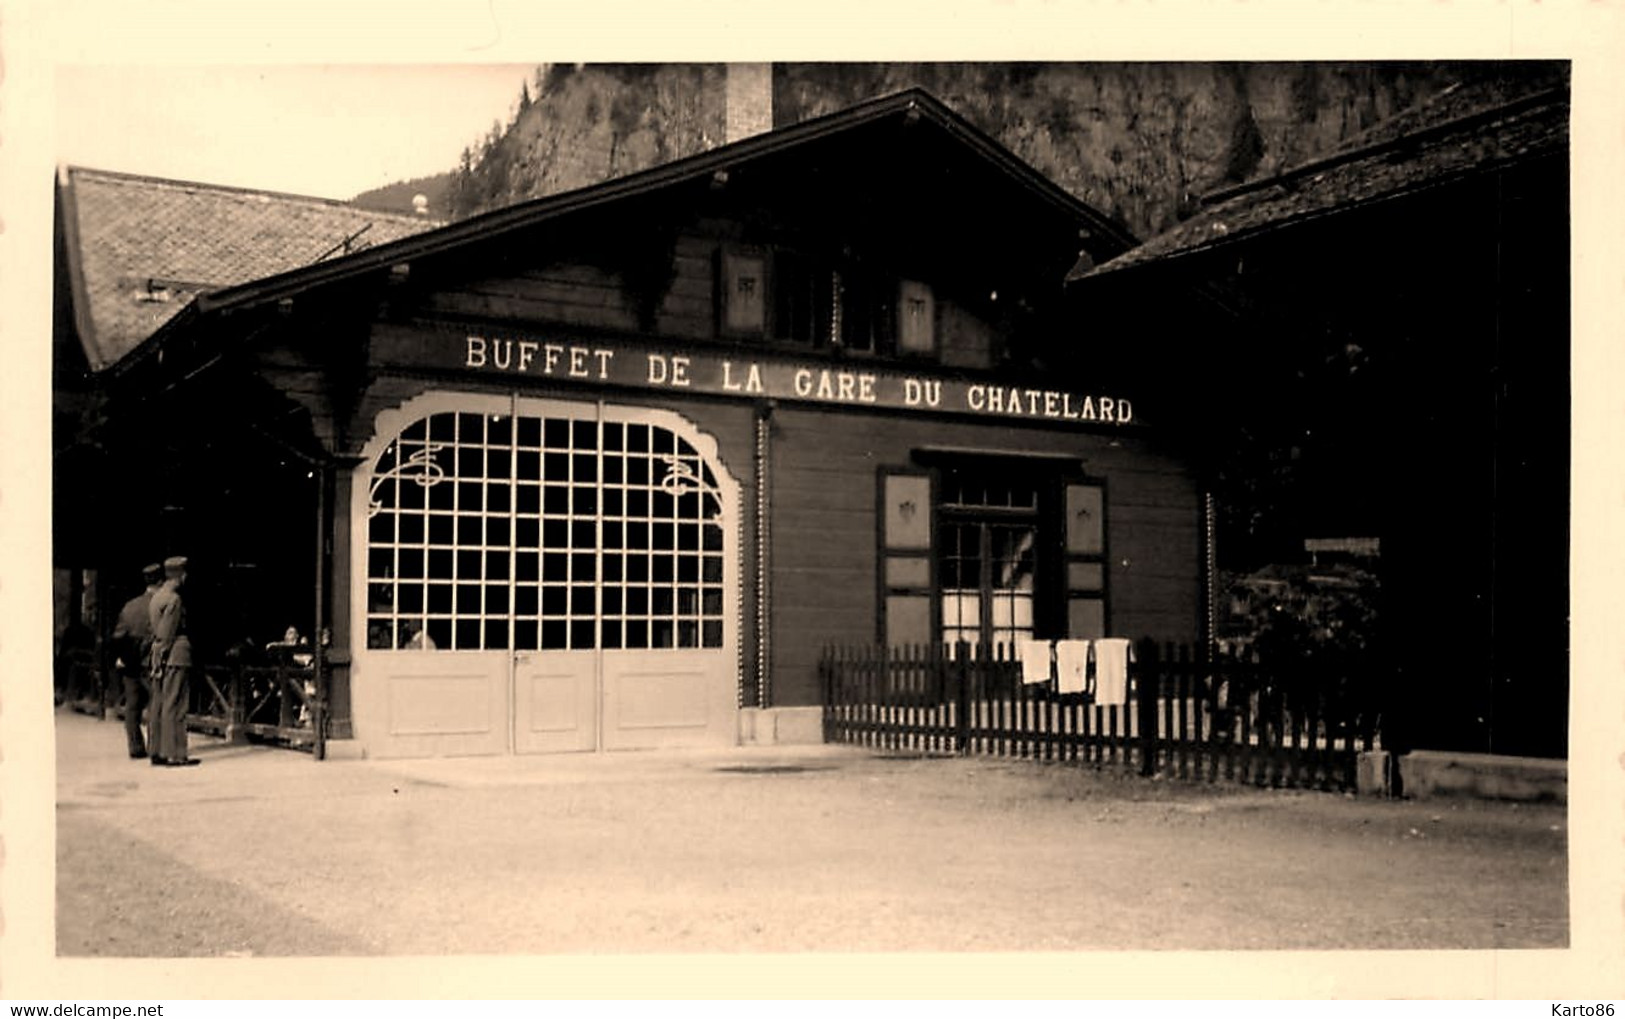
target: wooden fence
1185 716
275 703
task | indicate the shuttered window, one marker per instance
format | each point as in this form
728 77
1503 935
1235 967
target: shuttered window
991 550
1084 513
906 515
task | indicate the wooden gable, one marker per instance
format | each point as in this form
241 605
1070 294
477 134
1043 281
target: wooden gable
892 233
890 246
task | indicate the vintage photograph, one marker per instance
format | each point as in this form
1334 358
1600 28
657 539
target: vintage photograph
695 508
991 506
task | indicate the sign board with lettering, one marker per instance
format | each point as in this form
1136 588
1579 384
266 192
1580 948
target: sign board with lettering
611 363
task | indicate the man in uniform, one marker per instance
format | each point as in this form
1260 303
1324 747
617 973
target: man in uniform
171 669
131 637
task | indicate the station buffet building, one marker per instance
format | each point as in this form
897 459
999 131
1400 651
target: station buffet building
608 469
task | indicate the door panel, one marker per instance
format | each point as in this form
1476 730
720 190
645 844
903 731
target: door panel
668 698
555 701
414 705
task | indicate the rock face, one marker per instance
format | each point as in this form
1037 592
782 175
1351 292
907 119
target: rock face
1141 142
593 123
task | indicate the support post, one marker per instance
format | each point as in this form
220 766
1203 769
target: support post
1146 685
237 705
318 697
959 668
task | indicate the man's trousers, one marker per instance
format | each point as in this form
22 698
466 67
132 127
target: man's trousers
166 736
137 697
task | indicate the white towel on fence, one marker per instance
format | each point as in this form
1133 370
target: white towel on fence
1071 666
1112 656
1034 655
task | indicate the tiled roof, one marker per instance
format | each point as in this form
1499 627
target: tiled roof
1468 129
140 248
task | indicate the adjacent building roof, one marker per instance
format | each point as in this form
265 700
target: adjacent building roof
140 248
1469 129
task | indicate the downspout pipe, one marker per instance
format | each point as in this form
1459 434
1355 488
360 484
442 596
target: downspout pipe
1210 577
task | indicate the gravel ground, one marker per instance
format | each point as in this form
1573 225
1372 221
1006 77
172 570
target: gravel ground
266 852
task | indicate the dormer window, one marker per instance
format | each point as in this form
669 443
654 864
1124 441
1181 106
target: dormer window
158 290
802 299
154 293
868 305
795 298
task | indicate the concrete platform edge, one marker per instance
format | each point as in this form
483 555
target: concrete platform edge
794 726
1434 773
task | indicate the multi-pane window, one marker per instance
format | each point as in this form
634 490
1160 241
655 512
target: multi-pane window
803 293
493 532
868 312
1012 548
662 542
986 558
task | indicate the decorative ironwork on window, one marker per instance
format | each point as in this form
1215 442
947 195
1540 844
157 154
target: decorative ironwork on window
490 532
419 467
681 477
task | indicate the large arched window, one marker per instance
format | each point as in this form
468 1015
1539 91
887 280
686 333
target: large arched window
498 532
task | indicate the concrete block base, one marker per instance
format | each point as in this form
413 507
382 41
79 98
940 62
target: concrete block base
1427 773
779 726
1373 775
345 750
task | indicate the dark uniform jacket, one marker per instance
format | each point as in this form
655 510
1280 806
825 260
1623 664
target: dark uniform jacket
132 635
170 645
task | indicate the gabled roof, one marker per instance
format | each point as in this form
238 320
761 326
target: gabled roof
140 248
1469 129
913 107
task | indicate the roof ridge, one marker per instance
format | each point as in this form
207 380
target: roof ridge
73 171
1374 140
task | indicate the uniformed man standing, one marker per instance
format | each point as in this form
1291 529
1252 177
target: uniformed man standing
132 637
171 669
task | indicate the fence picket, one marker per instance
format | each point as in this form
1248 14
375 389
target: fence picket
1292 762
1097 716
1314 758
1111 739
1182 686
1020 744
1231 739
889 734
871 707
1068 747
1249 695
1276 729
1199 708
996 697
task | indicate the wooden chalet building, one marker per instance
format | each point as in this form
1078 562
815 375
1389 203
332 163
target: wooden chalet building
607 469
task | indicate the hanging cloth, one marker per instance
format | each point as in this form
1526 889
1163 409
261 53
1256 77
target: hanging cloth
1112 656
1071 666
1034 656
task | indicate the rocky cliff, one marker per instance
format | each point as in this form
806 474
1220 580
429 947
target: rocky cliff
1141 142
